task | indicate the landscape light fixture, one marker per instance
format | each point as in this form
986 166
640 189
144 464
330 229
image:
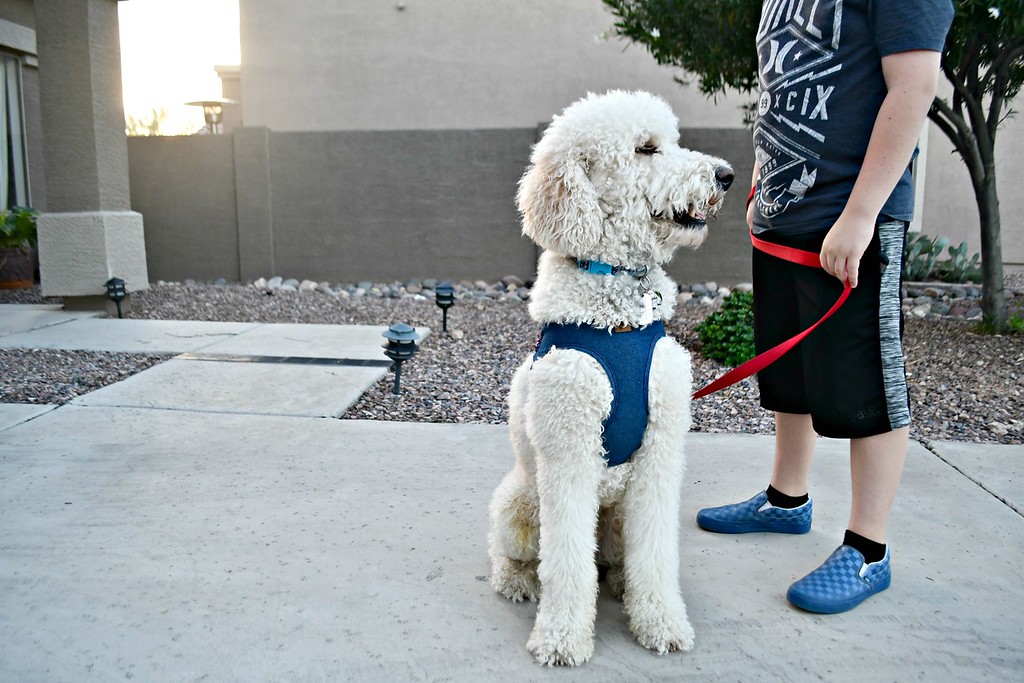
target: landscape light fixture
444 297
213 113
400 347
116 292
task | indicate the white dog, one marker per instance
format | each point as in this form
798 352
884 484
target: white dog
609 195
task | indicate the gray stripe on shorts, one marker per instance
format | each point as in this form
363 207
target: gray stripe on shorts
894 376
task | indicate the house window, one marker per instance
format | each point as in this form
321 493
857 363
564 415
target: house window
13 164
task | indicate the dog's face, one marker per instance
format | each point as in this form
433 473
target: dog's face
608 181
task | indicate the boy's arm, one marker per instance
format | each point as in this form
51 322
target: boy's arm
911 78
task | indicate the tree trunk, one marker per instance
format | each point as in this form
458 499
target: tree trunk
994 298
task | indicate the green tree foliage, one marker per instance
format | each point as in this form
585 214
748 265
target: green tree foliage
983 61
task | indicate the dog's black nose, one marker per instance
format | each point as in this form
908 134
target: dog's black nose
725 176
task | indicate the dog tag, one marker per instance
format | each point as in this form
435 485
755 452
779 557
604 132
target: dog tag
647 317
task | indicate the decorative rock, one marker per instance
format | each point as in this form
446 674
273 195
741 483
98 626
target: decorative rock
513 281
684 297
220 282
724 291
308 286
481 285
365 286
698 289
413 288
744 287
939 308
998 428
288 287
274 283
429 283
973 314
523 293
260 283
922 310
711 286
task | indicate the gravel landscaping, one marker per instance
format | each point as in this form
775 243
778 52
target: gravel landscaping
964 386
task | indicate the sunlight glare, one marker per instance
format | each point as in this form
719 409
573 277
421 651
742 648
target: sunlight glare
168 52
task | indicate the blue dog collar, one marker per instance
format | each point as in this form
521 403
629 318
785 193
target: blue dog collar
602 268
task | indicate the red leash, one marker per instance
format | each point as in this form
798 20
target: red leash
758 363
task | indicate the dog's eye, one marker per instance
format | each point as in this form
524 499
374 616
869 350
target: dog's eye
647 148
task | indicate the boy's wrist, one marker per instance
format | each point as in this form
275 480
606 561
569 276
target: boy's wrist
750 197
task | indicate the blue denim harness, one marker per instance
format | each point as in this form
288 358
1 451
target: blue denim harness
626 359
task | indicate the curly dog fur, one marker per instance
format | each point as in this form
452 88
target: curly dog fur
607 182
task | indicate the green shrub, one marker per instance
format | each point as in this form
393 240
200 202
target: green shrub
920 253
921 260
17 227
727 335
1014 325
958 268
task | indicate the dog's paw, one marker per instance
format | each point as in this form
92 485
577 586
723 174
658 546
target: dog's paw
516 580
662 631
560 647
616 579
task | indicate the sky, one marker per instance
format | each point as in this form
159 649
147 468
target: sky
168 51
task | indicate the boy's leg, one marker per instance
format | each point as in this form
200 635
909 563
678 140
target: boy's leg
794 451
859 568
876 463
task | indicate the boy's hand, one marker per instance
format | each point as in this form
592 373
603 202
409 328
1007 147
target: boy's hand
844 246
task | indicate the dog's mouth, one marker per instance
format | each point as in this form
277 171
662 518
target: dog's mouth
691 218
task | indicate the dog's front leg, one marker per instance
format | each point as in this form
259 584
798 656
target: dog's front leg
570 397
657 613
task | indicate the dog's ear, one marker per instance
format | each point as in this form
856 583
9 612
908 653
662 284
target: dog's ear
559 202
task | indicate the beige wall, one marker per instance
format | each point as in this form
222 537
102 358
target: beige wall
346 206
949 208
361 65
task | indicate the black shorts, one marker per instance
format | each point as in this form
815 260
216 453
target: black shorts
849 373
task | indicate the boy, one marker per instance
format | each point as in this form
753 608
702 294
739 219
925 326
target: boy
845 88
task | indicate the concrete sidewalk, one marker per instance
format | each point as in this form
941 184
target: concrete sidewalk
164 543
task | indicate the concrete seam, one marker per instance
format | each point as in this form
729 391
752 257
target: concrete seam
934 451
203 411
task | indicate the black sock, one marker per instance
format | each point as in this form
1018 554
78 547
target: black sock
872 551
781 500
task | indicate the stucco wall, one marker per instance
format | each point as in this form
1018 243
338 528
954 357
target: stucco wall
21 12
389 205
184 187
949 207
358 65
371 205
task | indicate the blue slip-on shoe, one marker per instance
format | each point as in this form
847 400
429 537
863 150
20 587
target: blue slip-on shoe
841 583
756 514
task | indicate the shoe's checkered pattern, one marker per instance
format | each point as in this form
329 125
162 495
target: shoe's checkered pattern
748 516
841 583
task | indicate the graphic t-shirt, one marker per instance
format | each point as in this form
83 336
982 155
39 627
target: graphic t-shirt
820 72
